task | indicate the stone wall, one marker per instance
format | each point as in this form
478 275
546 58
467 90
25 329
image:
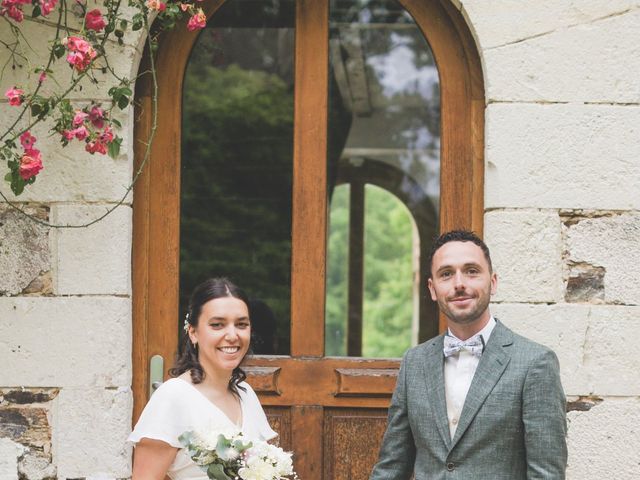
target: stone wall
65 296
562 200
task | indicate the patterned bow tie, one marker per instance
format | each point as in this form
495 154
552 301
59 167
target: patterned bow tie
474 345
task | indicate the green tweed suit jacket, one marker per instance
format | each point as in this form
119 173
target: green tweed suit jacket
512 425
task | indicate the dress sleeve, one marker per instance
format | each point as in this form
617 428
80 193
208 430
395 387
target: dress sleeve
163 418
257 421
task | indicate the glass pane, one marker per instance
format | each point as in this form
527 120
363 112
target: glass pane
237 160
384 130
337 273
388 304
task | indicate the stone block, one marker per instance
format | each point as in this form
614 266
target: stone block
10 452
604 441
594 343
576 64
585 283
526 254
24 248
562 156
95 259
611 244
25 417
65 341
500 22
85 452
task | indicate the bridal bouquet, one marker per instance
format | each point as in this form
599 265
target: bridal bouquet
225 455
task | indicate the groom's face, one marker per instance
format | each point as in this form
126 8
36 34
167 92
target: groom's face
462 282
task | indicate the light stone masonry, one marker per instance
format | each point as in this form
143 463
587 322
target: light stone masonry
604 442
610 242
526 249
90 430
562 156
501 22
9 453
24 248
65 341
575 64
96 259
589 340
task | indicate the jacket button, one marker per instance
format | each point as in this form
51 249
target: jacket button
451 466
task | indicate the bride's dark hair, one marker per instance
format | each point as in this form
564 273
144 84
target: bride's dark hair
187 359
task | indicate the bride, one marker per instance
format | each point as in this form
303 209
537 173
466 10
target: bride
208 389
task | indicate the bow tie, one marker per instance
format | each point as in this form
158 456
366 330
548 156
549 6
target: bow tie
474 345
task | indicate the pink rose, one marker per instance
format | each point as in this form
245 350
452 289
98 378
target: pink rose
81 61
79 118
94 20
80 133
68 134
96 116
47 6
96 147
156 5
30 164
27 140
77 44
106 136
15 96
13 11
199 20
42 77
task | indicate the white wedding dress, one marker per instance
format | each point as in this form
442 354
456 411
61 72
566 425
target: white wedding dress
177 406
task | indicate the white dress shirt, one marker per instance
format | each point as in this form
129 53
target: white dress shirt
458 374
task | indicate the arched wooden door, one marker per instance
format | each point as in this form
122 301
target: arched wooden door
331 411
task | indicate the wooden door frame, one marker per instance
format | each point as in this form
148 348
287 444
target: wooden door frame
156 206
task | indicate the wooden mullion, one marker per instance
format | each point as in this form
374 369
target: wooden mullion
309 223
356 269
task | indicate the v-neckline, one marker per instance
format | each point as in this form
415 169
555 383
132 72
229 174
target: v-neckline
204 397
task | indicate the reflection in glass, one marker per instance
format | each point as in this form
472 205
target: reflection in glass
237 158
384 130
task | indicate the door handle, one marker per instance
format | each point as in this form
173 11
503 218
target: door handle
156 373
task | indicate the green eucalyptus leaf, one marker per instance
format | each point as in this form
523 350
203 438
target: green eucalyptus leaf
216 471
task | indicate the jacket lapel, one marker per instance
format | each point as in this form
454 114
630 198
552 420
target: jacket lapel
433 367
492 364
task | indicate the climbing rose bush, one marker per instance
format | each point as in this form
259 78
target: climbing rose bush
86 53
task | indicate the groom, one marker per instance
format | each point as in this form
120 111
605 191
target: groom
479 402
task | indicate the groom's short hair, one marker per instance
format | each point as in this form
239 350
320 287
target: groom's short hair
458 236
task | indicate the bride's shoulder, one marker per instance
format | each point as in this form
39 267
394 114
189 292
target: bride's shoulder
246 391
171 388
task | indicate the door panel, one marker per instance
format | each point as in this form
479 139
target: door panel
351 442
